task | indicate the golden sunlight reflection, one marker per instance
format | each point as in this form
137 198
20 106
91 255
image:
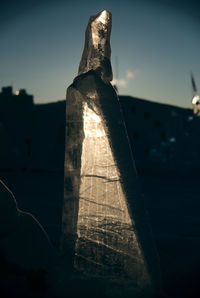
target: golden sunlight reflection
103 16
100 182
104 225
17 93
98 40
91 118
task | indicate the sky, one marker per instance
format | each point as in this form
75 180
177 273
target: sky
156 44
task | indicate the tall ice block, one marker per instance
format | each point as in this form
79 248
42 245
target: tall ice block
104 228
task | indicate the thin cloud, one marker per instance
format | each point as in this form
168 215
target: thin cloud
120 82
129 74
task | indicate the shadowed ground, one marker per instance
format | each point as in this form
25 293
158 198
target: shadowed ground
173 205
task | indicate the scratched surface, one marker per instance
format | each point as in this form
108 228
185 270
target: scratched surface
99 233
106 238
100 180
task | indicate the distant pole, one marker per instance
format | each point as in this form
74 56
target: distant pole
12 85
117 67
116 73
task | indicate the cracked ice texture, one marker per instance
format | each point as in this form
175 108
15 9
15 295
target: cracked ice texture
107 240
100 181
97 51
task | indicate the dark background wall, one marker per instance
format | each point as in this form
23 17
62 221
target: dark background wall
165 141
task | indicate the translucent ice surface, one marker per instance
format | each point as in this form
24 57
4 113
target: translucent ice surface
96 53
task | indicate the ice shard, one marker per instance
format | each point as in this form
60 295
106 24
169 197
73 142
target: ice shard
97 51
104 227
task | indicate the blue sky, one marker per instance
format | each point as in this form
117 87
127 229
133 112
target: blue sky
157 44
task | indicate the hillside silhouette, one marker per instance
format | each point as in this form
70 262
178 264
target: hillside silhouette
165 143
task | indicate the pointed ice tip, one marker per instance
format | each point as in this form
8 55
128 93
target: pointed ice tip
104 15
97 52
